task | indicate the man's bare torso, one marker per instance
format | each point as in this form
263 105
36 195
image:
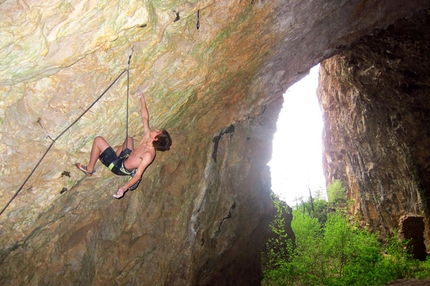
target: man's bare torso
137 155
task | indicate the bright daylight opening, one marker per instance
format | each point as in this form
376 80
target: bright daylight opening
296 165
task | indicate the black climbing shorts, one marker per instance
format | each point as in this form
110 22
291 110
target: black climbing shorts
109 158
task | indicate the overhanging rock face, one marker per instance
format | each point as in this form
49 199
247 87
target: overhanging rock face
213 73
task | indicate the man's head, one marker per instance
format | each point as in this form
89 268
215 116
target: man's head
162 141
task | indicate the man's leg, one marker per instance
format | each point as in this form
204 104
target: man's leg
99 145
121 148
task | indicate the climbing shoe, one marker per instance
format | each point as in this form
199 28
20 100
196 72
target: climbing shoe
84 169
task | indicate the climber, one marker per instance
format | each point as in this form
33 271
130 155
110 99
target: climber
126 161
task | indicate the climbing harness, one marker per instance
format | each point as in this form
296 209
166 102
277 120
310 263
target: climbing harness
74 122
120 170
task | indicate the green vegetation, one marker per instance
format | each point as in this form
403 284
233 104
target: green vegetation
327 249
336 192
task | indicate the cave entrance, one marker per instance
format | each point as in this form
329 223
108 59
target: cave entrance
296 164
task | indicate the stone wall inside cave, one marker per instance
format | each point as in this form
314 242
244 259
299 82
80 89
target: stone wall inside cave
375 98
213 73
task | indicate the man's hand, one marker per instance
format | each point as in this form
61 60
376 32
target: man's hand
141 96
120 192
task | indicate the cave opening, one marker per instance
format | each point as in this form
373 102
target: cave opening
296 164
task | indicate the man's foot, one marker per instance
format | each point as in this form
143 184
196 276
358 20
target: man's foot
84 169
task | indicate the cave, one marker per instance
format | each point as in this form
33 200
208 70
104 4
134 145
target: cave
213 74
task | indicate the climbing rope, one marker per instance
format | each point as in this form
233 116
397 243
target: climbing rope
128 95
73 123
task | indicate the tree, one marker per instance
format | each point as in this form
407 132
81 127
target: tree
336 192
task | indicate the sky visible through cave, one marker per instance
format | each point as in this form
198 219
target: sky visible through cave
296 164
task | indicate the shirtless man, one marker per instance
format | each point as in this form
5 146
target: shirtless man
129 162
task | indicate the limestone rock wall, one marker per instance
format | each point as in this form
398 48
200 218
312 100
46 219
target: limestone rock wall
227 209
377 123
213 73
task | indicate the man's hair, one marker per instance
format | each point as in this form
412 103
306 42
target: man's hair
163 142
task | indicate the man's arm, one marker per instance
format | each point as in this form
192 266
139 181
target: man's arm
144 112
146 160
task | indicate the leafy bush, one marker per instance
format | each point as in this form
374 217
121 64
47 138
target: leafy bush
278 247
336 253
